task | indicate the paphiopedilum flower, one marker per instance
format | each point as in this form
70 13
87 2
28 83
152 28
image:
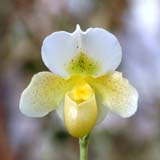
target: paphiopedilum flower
83 84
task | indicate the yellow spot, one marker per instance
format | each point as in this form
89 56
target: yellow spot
81 92
80 110
82 64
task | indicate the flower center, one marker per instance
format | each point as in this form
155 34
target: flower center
81 92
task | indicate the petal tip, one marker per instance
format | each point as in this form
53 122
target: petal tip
26 110
78 30
132 109
78 27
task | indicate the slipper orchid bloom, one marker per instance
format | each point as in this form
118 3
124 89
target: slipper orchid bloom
83 84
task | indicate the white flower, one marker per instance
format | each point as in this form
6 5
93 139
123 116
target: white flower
83 80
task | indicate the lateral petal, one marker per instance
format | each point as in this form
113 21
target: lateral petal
43 94
116 93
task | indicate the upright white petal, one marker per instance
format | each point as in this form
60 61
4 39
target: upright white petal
93 52
104 47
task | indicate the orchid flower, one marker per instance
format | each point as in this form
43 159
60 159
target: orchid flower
83 85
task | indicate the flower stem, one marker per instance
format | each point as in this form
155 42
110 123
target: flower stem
83 142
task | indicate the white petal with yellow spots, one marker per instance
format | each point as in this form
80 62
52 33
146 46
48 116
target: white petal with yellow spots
116 93
43 94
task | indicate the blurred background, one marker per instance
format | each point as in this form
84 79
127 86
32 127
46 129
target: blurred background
23 26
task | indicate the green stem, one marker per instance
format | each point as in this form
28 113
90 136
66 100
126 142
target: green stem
83 142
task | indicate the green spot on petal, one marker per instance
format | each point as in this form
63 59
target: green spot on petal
82 64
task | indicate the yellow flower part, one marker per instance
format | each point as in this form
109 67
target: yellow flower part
84 85
80 110
81 93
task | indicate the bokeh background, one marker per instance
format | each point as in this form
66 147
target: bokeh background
23 26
